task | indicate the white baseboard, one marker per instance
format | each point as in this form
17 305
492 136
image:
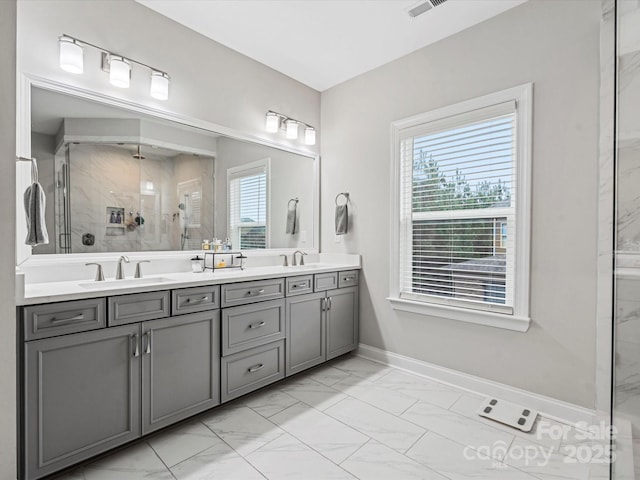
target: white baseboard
547 406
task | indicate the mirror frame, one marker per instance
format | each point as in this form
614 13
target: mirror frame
23 170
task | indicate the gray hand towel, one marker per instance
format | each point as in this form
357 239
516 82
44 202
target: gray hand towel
34 205
292 223
342 219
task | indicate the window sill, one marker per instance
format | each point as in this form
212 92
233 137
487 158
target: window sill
479 317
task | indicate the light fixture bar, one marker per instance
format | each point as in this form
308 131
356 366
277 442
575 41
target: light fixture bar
275 121
108 52
159 79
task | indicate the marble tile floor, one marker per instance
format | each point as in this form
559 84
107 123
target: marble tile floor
350 419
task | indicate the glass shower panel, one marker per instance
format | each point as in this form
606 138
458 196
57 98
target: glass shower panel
121 198
626 397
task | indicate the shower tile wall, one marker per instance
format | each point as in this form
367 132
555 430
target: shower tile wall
628 220
627 377
104 176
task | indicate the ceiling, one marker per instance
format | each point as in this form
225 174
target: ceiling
322 43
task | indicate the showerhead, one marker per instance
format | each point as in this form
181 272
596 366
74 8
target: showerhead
182 206
138 155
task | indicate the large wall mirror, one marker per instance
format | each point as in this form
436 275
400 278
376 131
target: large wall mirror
118 179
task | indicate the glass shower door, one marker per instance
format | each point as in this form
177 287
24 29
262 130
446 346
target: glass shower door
626 358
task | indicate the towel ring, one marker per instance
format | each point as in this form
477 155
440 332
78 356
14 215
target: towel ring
292 200
346 198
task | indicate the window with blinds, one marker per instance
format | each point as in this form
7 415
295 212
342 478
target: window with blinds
457 209
248 198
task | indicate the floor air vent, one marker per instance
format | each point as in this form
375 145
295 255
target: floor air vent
511 414
424 6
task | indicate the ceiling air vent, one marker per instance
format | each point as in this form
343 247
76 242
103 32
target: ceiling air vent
420 8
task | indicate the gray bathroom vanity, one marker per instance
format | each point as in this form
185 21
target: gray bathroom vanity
102 371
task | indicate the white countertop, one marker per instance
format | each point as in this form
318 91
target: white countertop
46 292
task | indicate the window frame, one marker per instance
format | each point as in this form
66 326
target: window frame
237 173
519 319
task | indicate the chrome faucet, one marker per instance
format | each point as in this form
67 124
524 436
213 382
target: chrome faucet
285 263
138 269
99 273
293 262
119 271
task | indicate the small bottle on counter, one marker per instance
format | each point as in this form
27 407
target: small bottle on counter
206 245
196 264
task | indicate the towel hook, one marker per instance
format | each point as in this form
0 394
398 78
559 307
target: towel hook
34 167
292 200
345 195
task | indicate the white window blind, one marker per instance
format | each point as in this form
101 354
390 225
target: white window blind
458 209
248 196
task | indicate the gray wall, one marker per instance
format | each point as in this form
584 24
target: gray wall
555 45
7 240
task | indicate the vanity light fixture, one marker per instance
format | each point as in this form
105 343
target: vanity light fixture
159 85
272 122
275 121
119 71
292 129
310 136
117 66
71 55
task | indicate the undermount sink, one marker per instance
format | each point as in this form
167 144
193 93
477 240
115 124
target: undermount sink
130 282
308 266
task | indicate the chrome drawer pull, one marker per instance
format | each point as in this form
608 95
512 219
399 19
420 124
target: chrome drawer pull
257 325
148 335
136 352
255 368
200 300
347 279
77 317
301 285
329 303
250 292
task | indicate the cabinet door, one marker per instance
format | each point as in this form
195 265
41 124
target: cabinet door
181 368
305 332
82 396
342 321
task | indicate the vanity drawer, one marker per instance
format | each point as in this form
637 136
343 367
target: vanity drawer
348 279
252 325
53 319
325 281
138 307
249 292
196 299
299 285
246 371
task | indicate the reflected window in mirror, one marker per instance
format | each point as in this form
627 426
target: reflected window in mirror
248 187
